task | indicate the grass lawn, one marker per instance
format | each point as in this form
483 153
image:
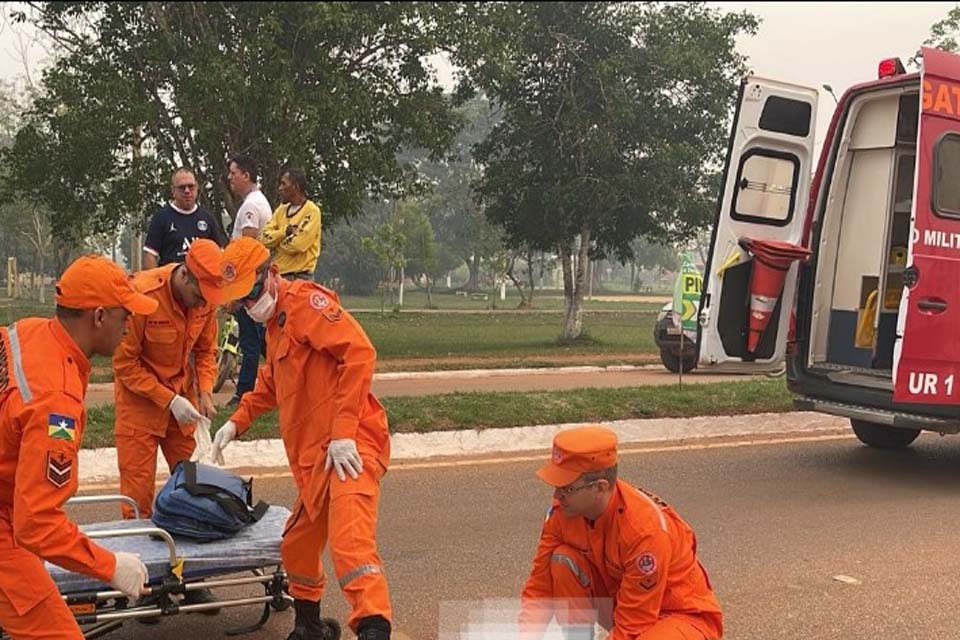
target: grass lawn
494 410
549 300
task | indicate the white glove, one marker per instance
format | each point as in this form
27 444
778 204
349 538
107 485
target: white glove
201 436
225 435
183 410
342 454
130 576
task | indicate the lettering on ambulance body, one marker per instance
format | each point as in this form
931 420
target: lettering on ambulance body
938 239
928 384
942 98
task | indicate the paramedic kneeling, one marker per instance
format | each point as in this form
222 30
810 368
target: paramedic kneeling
44 371
613 554
318 372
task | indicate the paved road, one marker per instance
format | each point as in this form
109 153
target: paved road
453 382
776 522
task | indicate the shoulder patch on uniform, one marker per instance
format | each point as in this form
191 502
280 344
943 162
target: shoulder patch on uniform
319 301
61 427
333 315
59 468
647 563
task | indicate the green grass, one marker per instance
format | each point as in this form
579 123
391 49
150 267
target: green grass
496 410
549 300
424 335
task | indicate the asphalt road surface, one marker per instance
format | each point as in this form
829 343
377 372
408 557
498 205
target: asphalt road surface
803 538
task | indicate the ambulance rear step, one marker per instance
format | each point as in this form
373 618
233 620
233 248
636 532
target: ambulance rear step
878 416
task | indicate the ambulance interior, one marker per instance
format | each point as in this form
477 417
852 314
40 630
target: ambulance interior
864 238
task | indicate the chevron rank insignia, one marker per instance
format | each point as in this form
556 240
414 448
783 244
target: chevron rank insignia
61 427
59 468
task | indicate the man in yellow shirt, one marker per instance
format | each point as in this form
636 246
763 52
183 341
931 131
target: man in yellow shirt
293 232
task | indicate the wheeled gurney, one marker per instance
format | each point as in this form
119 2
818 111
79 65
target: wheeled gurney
177 566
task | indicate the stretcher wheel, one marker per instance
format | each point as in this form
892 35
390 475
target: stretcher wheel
331 629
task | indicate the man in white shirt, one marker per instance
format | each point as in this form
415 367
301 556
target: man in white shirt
253 214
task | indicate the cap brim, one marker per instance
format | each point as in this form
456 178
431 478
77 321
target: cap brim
139 304
555 476
240 287
212 295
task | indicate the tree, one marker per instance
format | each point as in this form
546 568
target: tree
613 114
387 245
142 88
457 218
944 35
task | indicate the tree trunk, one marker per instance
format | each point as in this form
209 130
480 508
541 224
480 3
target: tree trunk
473 283
429 291
524 300
573 286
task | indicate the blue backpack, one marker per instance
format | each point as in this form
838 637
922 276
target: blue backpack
205 503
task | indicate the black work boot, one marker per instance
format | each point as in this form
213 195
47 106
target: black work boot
309 626
373 628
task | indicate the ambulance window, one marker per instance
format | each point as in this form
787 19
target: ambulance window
766 187
784 115
907 117
946 176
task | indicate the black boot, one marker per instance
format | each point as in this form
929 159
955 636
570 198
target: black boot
309 626
373 628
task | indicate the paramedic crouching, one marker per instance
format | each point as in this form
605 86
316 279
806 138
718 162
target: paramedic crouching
44 371
318 372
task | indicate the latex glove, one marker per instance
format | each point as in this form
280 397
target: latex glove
226 435
130 576
201 436
183 410
343 455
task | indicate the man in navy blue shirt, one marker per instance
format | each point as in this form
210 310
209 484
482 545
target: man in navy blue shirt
178 223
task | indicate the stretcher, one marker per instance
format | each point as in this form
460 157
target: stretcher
177 566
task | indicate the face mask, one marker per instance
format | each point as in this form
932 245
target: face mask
262 310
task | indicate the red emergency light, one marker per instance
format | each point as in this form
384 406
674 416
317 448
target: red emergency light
890 67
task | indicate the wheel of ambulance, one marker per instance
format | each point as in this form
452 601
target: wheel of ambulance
225 367
883 437
672 362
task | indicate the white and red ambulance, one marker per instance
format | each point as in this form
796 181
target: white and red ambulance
851 272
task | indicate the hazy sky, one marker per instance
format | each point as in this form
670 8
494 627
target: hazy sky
807 43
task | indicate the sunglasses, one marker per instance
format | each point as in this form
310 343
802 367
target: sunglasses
257 286
566 492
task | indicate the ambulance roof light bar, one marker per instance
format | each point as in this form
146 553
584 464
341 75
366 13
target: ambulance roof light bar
890 67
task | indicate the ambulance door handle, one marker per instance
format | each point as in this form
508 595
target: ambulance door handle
932 306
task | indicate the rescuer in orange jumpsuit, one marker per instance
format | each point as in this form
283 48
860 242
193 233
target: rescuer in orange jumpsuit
44 371
318 372
613 554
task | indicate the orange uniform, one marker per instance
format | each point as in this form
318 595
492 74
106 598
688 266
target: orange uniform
639 556
318 373
43 380
150 367
614 554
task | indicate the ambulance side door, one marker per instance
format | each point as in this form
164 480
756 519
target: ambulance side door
927 350
764 195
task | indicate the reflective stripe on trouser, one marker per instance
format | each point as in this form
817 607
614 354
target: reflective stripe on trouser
348 520
30 604
580 598
137 460
579 593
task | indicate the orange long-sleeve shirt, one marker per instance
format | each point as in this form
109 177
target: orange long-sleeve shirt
646 555
151 364
318 373
43 380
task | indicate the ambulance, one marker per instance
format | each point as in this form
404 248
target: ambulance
849 270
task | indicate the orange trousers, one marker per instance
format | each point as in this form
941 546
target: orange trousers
581 598
137 459
30 604
348 520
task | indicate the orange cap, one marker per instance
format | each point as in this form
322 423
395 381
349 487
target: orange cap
203 260
241 259
93 281
577 451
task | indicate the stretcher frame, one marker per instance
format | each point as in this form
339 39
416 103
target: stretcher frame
100 612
